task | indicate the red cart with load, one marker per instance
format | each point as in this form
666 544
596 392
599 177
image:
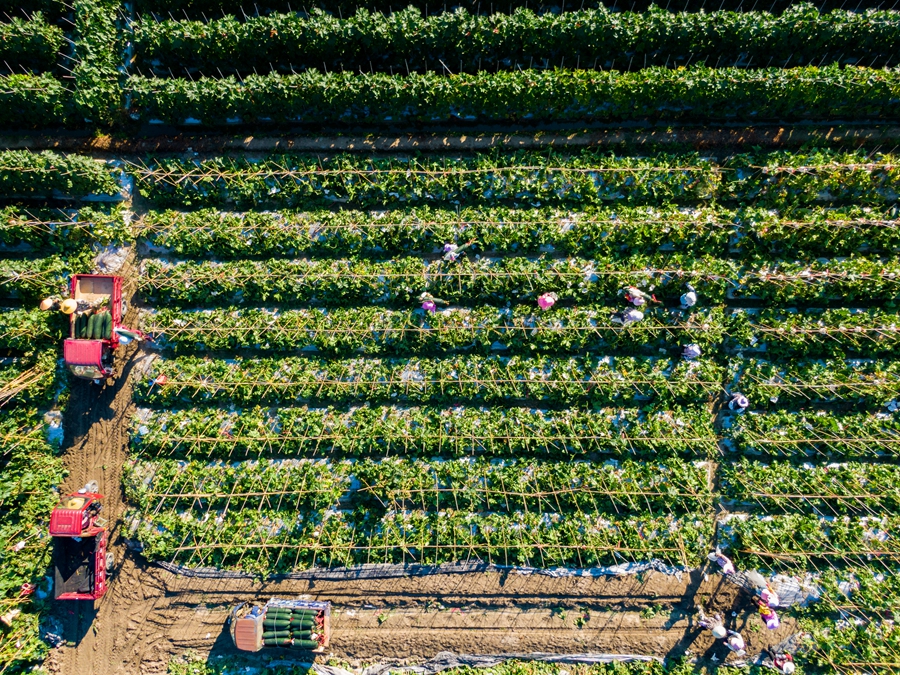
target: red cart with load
286 624
95 327
81 562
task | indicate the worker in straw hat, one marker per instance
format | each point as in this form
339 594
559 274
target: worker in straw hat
69 305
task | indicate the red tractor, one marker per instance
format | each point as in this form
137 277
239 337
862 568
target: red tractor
95 333
81 562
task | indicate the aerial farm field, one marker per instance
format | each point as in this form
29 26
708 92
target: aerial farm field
382 255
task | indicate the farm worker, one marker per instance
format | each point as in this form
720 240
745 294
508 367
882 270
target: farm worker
724 563
769 616
69 305
627 317
430 303
547 300
452 251
735 643
691 352
636 296
688 299
769 597
713 623
738 403
784 663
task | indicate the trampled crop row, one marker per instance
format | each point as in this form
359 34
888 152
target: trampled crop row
615 231
771 179
625 381
393 484
512 280
379 99
388 431
469 42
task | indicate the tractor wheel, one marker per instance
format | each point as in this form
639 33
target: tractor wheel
110 562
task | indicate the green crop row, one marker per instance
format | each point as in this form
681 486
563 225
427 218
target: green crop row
29 473
99 54
794 540
799 382
32 44
833 489
470 42
588 231
62 231
833 333
25 329
26 174
818 434
401 281
391 484
600 381
694 94
29 280
377 331
423 431
265 542
32 380
205 8
772 179
34 101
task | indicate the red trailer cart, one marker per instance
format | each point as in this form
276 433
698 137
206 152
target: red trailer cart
89 355
80 559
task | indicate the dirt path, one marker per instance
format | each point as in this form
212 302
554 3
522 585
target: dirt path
151 615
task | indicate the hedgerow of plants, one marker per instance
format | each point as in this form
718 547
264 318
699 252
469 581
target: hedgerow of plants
459 431
469 42
471 378
799 382
98 56
789 541
819 332
62 230
266 542
588 231
377 331
32 43
390 484
34 101
49 174
849 644
833 489
774 179
403 280
818 433
694 94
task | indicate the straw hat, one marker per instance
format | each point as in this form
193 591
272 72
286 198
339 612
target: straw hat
719 632
46 304
68 306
